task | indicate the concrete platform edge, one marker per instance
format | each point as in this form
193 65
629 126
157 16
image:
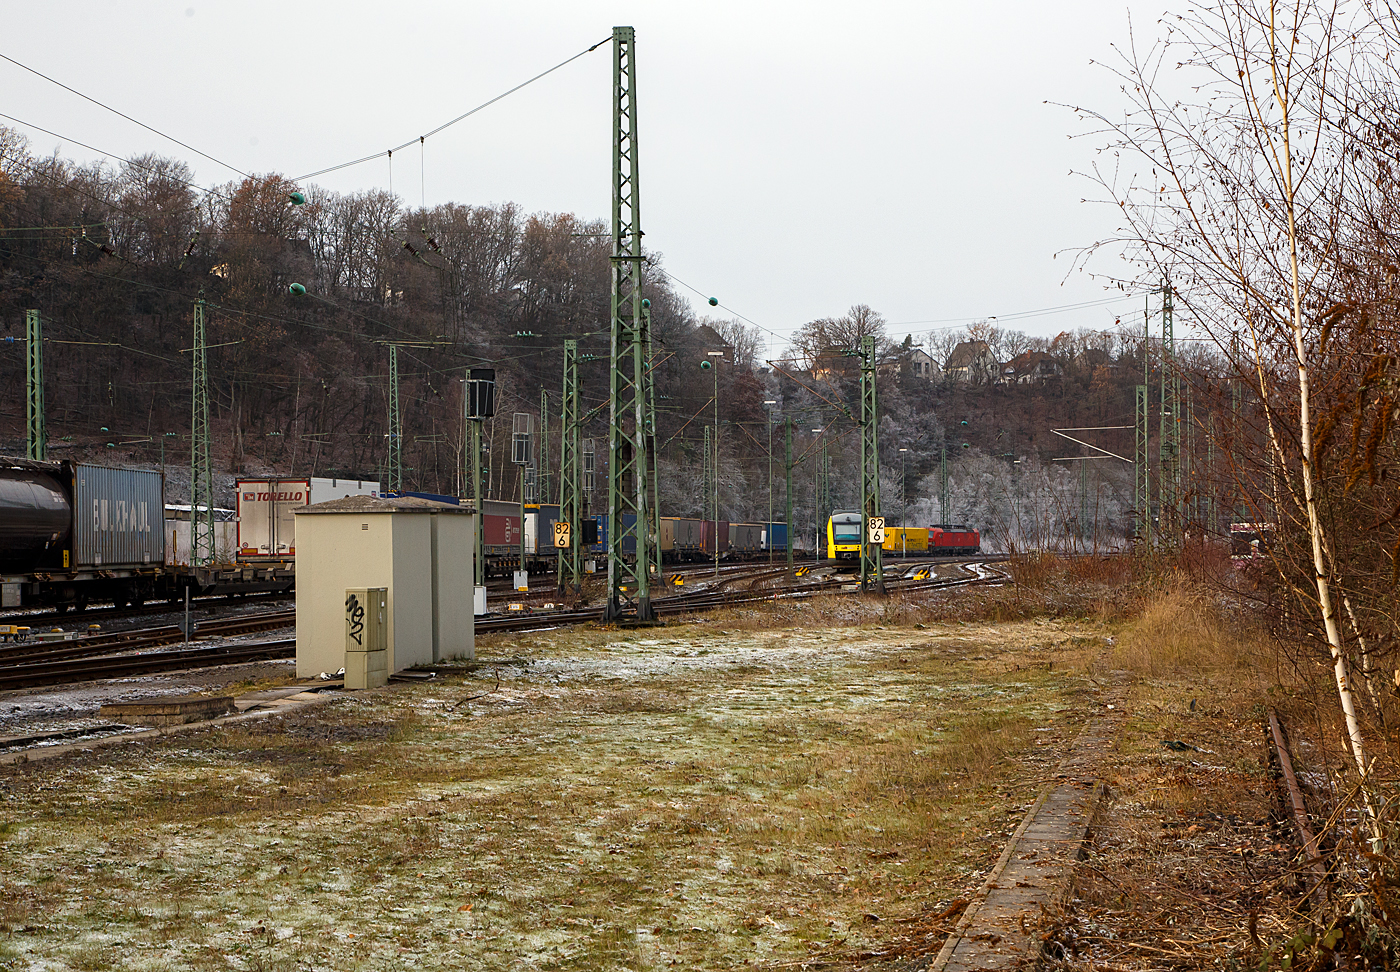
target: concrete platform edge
967 927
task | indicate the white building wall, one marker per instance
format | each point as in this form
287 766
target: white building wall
456 622
393 550
411 591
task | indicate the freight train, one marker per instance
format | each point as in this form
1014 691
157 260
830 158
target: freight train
681 539
72 533
843 536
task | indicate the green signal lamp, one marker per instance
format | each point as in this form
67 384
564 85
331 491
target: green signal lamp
298 198
646 303
705 366
714 301
966 446
297 290
104 429
964 421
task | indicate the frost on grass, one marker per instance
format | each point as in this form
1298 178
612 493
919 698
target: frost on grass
620 800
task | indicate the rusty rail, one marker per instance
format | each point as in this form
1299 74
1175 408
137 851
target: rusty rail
1300 810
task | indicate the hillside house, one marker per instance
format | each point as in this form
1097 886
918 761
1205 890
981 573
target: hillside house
1031 367
972 361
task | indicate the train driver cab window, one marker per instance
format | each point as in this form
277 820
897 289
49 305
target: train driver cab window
846 532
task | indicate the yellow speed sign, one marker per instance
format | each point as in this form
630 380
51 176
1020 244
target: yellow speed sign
563 533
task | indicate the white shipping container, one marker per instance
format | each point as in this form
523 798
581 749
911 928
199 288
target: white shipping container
177 535
265 509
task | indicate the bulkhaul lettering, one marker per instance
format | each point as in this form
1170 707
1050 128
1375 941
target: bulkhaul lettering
128 518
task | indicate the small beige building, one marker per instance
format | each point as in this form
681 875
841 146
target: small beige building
420 550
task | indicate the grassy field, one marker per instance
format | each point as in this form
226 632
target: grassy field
700 795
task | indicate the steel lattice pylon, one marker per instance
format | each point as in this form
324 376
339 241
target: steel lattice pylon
395 465
570 473
871 565
629 519
36 438
542 484
1142 493
201 469
707 484
1169 443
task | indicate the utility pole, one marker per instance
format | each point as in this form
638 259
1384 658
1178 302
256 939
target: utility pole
395 465
768 527
35 435
570 502
872 571
520 455
201 469
903 505
791 540
655 499
706 485
629 584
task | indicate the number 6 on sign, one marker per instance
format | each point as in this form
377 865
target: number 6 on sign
877 529
562 533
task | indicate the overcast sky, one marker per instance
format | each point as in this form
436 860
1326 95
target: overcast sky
796 158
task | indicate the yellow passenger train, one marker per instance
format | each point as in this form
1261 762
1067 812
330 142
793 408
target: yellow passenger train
843 535
844 530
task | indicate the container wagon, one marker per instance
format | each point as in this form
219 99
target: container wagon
900 541
775 538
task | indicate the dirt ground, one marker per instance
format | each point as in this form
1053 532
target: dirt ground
698 796
1193 864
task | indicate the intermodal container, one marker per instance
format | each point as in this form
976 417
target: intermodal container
501 524
775 537
118 517
539 528
708 533
745 538
686 539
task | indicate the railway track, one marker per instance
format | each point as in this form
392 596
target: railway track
37 618
127 653
145 663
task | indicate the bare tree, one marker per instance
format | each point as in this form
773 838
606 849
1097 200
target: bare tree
1236 179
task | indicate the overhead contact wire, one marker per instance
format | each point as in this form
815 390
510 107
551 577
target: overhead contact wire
445 125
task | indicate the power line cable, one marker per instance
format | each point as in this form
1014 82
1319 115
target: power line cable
134 121
467 114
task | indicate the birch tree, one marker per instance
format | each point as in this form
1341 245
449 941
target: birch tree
1234 169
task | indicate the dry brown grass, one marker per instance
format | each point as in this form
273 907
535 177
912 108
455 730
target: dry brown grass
1184 630
692 795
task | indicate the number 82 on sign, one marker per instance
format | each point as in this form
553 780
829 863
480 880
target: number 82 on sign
876 532
563 533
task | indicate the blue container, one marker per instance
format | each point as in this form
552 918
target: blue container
775 537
